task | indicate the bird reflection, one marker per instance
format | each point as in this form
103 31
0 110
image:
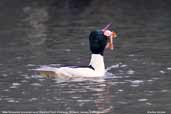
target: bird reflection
103 101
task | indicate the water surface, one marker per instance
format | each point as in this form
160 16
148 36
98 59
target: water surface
53 33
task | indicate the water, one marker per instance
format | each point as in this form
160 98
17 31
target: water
53 33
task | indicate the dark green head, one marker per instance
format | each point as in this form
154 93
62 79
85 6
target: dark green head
97 41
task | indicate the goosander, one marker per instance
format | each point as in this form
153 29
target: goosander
98 40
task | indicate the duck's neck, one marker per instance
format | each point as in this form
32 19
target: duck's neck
97 62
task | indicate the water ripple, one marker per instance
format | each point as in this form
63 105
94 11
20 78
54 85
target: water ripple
15 85
35 84
142 100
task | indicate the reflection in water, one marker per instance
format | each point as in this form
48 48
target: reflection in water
104 99
36 18
96 92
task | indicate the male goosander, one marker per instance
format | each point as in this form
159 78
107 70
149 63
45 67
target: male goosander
98 40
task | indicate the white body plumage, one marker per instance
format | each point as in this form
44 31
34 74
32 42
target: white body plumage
97 70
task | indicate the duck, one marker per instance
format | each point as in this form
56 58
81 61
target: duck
99 40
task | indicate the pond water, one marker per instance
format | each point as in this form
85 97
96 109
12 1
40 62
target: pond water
55 33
